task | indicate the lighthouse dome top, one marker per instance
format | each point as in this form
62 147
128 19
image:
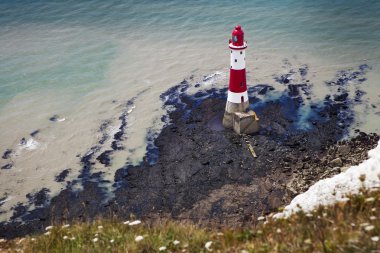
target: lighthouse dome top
237 41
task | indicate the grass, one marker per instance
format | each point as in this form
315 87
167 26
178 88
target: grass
351 226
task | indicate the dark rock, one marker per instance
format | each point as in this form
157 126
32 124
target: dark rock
62 176
344 150
54 118
7 166
337 162
23 141
341 97
39 198
34 133
7 154
104 158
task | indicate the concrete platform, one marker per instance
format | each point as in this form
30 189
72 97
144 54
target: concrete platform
231 108
245 122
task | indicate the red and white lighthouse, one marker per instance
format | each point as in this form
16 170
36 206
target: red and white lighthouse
237 100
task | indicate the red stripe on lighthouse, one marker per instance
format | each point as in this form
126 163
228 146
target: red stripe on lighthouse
238 81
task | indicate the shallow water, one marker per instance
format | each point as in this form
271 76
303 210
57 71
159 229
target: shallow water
84 60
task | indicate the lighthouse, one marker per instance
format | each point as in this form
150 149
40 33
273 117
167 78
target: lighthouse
235 114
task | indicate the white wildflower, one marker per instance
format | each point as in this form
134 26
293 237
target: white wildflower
371 199
309 215
364 224
72 238
278 231
47 233
307 241
65 237
375 238
112 241
66 226
133 223
324 214
208 245
49 228
2 240
139 238
33 239
100 227
369 228
176 242
95 239
261 218
219 234
244 251
373 209
372 218
126 222
162 248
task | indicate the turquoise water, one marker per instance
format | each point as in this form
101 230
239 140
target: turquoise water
340 31
83 60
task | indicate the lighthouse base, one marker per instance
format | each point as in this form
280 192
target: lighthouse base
246 122
231 108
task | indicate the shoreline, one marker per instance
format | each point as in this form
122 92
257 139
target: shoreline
196 170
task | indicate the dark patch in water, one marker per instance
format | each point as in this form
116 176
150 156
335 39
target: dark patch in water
283 79
303 71
34 133
23 141
39 198
7 166
260 89
341 97
104 158
103 129
358 95
118 136
7 154
62 176
294 89
54 118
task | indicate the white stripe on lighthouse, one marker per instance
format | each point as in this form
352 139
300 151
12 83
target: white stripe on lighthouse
238 59
235 97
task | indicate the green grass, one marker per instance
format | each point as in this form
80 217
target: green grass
352 226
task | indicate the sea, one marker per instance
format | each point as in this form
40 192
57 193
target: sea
67 67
